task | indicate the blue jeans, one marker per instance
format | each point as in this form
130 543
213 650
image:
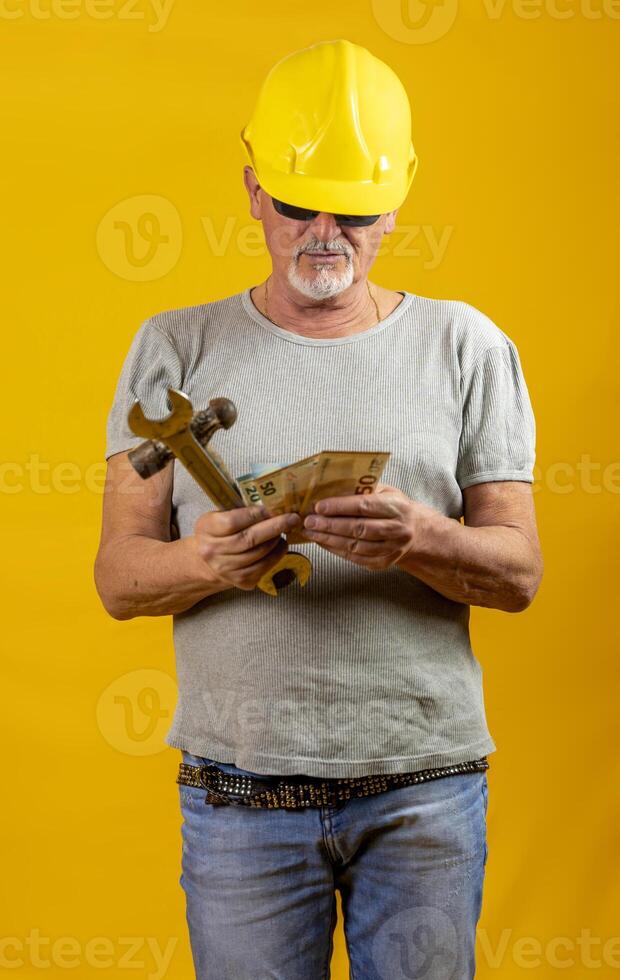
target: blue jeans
409 864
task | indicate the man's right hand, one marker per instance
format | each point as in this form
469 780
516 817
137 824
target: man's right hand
239 546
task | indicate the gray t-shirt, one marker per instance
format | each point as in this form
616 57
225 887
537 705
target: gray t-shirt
359 671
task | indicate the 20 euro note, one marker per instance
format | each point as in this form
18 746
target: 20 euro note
281 490
296 487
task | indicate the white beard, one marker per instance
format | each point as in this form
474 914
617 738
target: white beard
324 283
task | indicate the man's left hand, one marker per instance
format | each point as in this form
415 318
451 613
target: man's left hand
375 529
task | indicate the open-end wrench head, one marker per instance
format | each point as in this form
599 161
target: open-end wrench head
179 418
292 566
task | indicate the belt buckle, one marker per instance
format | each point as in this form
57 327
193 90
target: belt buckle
210 773
206 774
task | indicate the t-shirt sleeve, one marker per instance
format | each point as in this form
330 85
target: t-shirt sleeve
498 435
151 366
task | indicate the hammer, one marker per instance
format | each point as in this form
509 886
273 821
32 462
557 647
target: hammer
185 435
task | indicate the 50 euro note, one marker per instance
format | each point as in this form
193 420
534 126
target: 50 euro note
297 486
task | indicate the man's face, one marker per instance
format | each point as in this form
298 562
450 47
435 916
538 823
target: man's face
320 258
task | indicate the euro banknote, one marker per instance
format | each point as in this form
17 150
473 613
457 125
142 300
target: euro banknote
296 487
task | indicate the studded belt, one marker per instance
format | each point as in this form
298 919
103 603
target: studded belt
294 792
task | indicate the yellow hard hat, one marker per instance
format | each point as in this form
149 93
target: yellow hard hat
331 131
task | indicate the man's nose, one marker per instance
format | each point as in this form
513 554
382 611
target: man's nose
325 226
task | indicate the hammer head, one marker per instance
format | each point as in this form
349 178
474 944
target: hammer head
153 455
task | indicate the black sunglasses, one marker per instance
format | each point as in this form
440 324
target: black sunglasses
303 214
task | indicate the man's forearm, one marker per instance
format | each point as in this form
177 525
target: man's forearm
141 576
495 567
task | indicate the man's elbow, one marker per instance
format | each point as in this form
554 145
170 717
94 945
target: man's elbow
524 589
109 599
113 608
117 613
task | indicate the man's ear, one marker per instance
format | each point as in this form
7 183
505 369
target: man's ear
253 188
390 221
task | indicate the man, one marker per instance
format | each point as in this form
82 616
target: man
367 671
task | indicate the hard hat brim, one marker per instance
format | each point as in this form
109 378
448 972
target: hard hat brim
335 196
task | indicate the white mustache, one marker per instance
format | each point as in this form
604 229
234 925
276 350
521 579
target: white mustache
316 247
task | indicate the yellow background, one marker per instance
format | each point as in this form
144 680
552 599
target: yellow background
515 111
